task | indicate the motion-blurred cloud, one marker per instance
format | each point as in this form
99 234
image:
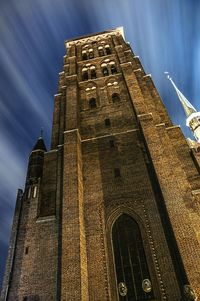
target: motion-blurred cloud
165 34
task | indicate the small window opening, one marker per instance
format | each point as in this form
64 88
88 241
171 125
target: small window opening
107 122
117 173
115 97
100 50
92 103
25 299
85 75
84 56
93 74
113 69
26 250
105 71
108 50
112 144
91 54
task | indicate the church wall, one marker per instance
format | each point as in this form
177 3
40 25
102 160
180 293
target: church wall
130 193
35 255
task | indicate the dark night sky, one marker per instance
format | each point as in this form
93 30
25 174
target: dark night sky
164 33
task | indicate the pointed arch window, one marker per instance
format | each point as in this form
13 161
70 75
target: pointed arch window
92 103
115 97
130 261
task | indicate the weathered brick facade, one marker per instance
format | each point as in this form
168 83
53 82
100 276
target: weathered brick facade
114 152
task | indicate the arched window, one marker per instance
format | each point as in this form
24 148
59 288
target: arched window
84 55
108 50
133 278
93 72
113 68
92 103
91 53
84 74
115 97
101 51
104 69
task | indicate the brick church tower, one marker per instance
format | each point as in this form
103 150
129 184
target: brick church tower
112 211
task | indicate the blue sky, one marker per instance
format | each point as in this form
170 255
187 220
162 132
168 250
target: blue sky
164 33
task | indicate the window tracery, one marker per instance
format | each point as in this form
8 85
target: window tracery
130 260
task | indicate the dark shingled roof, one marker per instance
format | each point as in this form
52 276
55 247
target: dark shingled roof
40 145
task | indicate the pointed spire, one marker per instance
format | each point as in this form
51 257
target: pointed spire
40 145
187 106
193 117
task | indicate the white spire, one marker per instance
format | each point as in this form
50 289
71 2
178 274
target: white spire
193 117
187 106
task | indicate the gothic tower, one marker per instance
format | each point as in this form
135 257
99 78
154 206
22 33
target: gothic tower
112 211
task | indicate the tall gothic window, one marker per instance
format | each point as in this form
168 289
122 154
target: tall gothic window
133 278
